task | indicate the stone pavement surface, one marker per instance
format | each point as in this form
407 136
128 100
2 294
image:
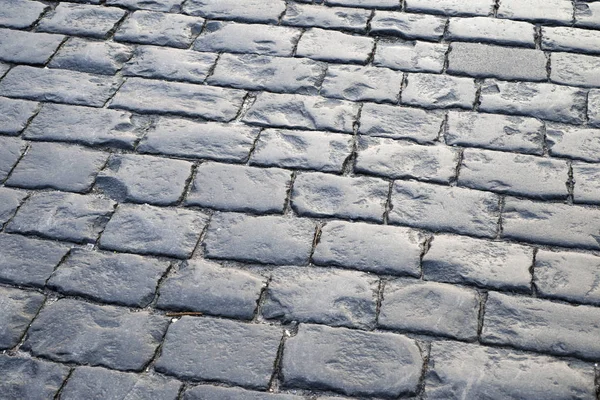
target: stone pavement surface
299 199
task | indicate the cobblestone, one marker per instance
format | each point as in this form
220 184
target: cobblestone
587 15
570 39
10 200
15 115
81 20
265 11
27 47
17 310
11 150
496 31
411 56
153 5
407 26
553 11
439 91
593 108
383 4
20 14
93 57
574 142
161 29
362 84
587 186
308 15
319 44
451 7
28 378
575 69
205 392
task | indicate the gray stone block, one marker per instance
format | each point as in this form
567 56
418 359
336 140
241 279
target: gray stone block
17 310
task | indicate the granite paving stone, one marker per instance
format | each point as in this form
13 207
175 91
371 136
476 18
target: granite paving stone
439 91
207 287
15 115
94 57
575 69
362 84
81 20
10 200
17 310
580 143
11 150
593 108
27 47
451 7
550 11
333 46
153 5
123 279
20 14
587 183
206 392
497 31
341 18
263 11
161 29
383 4
220 350
570 39
74 331
28 378
410 56
407 26
587 14
145 229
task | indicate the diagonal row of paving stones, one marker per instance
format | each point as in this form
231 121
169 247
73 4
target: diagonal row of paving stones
299 199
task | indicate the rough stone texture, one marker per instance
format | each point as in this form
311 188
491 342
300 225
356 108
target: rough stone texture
384 4
374 248
17 310
539 100
587 183
407 26
480 60
593 108
267 239
57 166
73 331
145 229
232 37
579 143
169 64
439 91
323 296
352 362
307 15
205 392
239 188
411 56
575 69
10 200
124 279
27 47
144 179
587 15
305 112
536 222
459 370
553 11
275 74
325 45
495 132
81 20
399 123
430 308
67 216
20 13
206 287
220 350
567 276
570 39
362 83
153 96
265 11
449 209
15 115
451 7
516 174
321 151
11 150
58 86
153 5
93 57
397 160
483 263
28 378
161 29
542 326
320 195
497 31
99 384
183 138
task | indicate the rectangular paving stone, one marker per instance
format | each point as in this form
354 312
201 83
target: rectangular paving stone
484 61
67 216
85 125
445 209
325 45
483 263
266 239
339 18
401 160
57 166
207 287
439 91
580 143
15 115
231 37
399 123
353 362
27 47
160 97
220 350
161 29
411 56
431 308
11 150
207 392
10 200
542 326
537 222
383 4
17 310
83 333
492 30
28 378
471 371
239 188
210 140
570 39
575 69
145 229
587 183
593 108
81 20
144 179
274 74
539 100
567 276
362 83
451 7
153 5
554 11
515 174
304 112
324 195
170 64
323 296
587 14
407 26
20 14
374 248
320 151
123 279
263 11
94 57
495 132
58 86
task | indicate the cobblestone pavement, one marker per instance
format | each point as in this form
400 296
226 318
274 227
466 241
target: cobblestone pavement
286 200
